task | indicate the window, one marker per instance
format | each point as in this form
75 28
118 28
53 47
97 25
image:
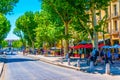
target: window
115 10
115 26
107 27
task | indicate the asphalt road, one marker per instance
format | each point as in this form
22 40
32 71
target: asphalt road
20 67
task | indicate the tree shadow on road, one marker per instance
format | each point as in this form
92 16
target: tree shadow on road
11 60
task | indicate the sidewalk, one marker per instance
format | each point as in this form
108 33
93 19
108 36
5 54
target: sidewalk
54 60
1 64
99 69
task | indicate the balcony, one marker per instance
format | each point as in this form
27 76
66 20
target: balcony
115 15
115 32
115 35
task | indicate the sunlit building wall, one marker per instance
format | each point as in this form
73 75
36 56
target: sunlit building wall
112 23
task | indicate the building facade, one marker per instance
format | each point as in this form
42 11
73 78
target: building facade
112 23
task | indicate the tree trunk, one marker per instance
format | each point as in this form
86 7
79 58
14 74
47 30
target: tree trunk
119 21
94 23
61 53
29 35
119 7
93 43
111 24
103 38
33 45
23 43
66 44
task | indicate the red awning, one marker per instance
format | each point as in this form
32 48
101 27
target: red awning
82 46
101 45
86 46
78 46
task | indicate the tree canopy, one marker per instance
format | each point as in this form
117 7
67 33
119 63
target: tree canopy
6 6
27 24
61 19
4 27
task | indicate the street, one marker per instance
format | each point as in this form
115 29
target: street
20 67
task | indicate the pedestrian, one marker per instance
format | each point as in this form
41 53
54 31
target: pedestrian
94 55
108 56
102 53
24 52
69 53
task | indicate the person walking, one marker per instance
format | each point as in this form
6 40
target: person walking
108 56
94 55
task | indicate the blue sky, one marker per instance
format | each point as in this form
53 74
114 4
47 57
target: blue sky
21 7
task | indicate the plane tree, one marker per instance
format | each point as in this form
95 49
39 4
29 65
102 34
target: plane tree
87 20
27 24
19 34
17 44
4 27
62 11
47 31
6 6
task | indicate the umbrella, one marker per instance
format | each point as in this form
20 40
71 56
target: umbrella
116 46
82 42
106 46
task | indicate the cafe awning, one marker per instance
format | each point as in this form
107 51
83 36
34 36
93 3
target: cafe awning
86 46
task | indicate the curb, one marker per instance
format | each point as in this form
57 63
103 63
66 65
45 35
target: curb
56 63
65 66
1 69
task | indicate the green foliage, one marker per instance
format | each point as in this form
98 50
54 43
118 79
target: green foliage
82 21
27 24
4 27
45 32
59 19
17 44
4 43
18 32
59 9
6 6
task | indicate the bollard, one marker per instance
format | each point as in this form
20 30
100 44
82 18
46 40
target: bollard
61 60
107 70
78 63
68 61
91 66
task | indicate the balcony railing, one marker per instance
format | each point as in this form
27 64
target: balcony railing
115 32
115 36
115 14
